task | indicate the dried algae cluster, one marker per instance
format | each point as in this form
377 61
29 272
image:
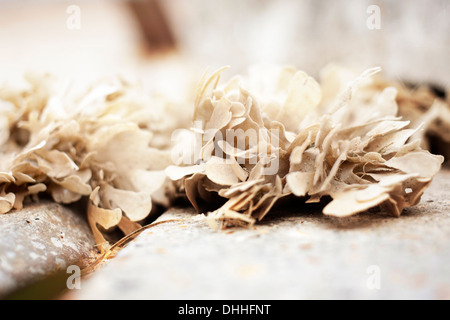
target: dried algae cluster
348 144
255 139
96 145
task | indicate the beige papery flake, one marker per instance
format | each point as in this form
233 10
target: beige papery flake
309 142
97 144
417 103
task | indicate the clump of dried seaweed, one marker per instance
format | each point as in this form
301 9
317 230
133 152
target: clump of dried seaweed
421 104
256 144
98 145
254 140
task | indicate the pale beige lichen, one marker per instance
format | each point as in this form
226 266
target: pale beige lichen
347 143
418 104
98 144
357 140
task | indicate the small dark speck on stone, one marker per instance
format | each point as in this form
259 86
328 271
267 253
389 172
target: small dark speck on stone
28 221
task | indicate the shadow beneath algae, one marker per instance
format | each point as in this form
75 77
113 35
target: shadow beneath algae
296 209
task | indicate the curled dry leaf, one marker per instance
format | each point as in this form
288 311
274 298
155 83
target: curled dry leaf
262 139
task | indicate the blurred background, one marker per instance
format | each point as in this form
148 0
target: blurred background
168 43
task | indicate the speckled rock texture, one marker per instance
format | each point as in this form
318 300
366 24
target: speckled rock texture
40 240
297 253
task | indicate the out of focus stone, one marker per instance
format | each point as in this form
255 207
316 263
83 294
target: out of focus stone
295 254
40 240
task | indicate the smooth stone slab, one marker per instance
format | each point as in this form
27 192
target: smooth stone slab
300 254
40 240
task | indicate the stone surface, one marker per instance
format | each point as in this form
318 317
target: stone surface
300 254
40 240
